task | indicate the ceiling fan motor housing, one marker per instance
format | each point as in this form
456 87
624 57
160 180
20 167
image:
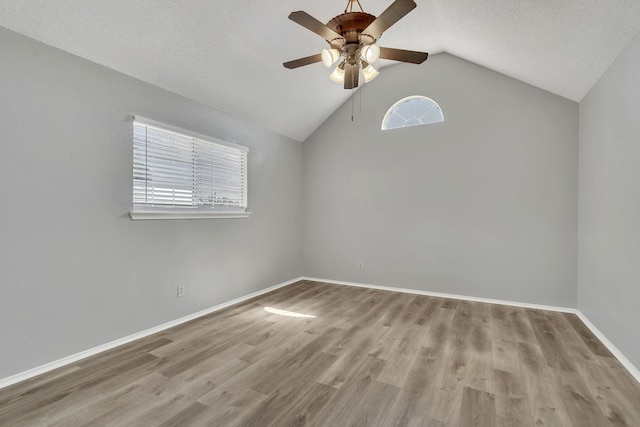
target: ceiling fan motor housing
349 25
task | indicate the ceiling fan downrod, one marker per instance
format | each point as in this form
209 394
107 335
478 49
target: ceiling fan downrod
350 6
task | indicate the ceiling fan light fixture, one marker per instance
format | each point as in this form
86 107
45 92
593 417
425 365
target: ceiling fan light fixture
369 73
370 53
338 74
329 56
352 40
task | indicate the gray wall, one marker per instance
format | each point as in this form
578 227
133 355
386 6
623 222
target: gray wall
75 271
484 204
609 273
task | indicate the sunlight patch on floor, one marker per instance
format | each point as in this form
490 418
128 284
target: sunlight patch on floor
286 313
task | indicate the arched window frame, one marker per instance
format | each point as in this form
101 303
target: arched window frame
424 119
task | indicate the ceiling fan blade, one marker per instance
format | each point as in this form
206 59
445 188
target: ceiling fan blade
301 62
411 56
390 16
312 24
351 75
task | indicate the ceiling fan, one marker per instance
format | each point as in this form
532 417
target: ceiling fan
352 37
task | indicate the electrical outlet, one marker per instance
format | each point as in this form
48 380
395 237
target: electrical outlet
360 265
180 291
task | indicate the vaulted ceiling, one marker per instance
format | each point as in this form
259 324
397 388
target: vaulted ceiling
229 54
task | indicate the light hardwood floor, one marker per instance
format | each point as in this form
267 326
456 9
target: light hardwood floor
368 358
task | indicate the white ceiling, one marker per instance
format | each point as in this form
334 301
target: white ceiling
229 54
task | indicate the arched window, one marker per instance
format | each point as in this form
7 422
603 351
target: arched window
412 111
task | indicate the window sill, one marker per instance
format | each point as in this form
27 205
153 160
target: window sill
140 214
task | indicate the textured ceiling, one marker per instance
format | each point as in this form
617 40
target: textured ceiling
229 54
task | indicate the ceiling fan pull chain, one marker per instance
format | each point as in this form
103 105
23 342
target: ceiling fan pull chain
352 105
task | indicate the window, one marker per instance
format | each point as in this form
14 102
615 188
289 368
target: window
412 111
181 174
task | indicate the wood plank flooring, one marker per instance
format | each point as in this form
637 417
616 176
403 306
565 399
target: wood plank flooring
367 358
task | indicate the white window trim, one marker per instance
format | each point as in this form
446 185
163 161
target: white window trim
392 109
173 213
155 213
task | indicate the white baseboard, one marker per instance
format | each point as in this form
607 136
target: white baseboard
442 295
5 382
99 349
612 348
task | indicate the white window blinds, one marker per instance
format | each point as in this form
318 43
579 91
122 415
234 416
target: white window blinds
174 169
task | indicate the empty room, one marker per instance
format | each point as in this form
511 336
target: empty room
304 213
